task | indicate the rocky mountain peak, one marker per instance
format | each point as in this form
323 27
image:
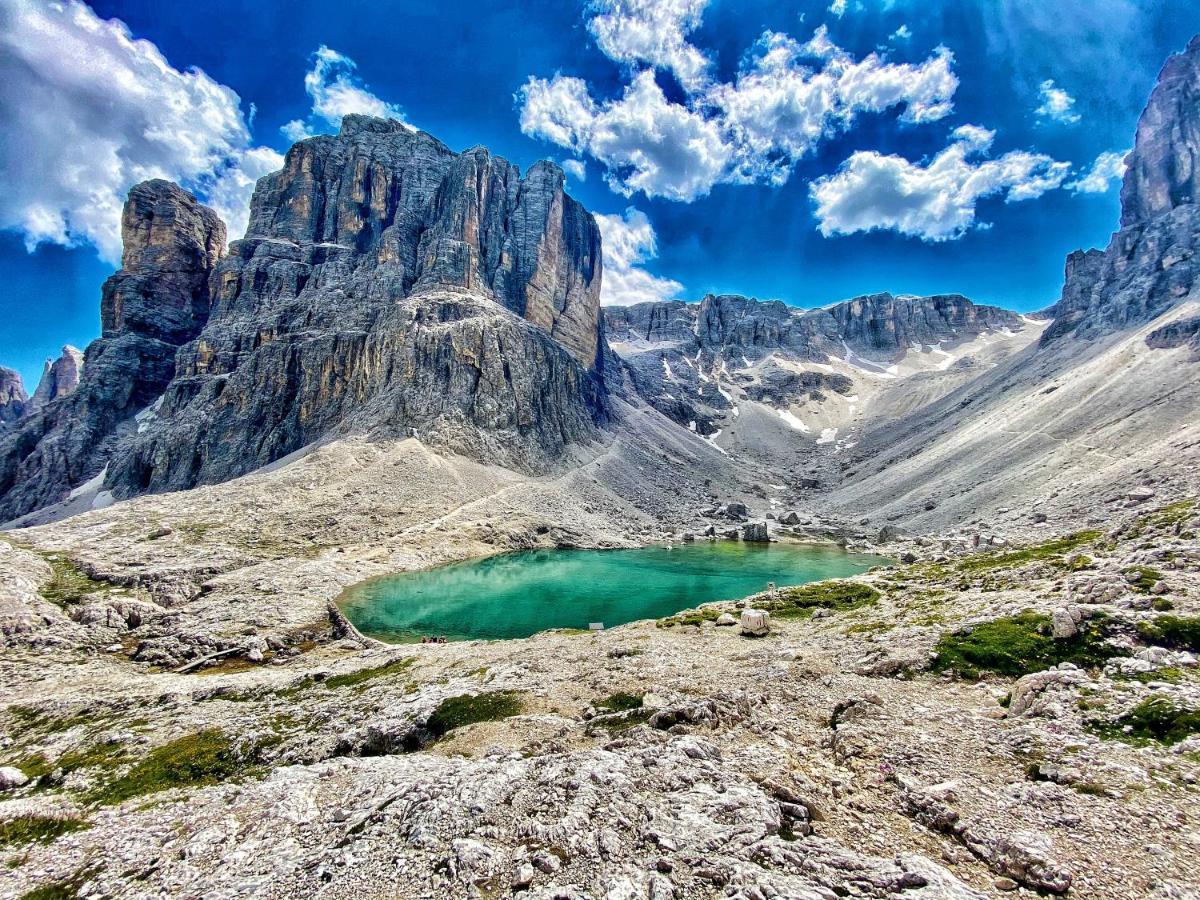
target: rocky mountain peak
171 243
60 377
12 396
382 196
1164 168
1151 263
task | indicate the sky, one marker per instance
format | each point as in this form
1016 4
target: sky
802 151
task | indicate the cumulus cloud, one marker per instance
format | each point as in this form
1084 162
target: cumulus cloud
336 91
786 98
645 142
779 109
903 33
1057 104
74 138
838 8
629 241
230 190
1107 170
933 201
653 32
576 168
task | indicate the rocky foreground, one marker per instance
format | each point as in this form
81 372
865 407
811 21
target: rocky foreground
990 719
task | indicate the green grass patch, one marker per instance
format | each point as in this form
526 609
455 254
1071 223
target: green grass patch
56 890
1157 719
206 757
35 829
1175 632
799 602
1146 578
1051 550
32 719
1168 516
68 583
467 709
362 676
1018 645
690 617
621 702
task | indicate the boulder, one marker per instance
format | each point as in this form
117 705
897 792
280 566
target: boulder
725 619
755 622
12 778
755 531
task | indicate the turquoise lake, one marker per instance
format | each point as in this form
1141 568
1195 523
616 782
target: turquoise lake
518 594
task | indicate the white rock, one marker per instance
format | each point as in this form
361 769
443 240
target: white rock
11 778
755 622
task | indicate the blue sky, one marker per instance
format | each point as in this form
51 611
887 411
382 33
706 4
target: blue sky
745 147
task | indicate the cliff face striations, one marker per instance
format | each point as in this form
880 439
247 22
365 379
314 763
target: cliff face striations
13 398
1151 262
60 377
156 301
386 285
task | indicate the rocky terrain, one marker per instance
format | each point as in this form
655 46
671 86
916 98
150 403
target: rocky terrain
403 363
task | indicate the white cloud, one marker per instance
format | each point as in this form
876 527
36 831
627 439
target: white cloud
838 8
652 32
934 201
576 168
336 91
230 191
778 108
903 33
1057 104
87 111
629 240
1109 168
645 142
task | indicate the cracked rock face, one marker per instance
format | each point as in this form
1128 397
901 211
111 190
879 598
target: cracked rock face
1150 265
386 285
158 299
1164 169
12 396
60 377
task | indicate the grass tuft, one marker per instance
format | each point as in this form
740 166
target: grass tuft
35 829
1051 550
467 709
1175 632
1158 719
799 602
206 757
1018 645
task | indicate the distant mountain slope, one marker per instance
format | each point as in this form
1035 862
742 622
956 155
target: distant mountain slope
1110 396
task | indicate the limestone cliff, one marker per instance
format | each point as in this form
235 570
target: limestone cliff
677 353
1151 263
385 285
60 377
13 398
158 299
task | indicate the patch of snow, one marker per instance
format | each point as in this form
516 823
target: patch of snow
149 414
828 436
103 500
788 416
667 370
92 484
949 357
865 365
692 425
